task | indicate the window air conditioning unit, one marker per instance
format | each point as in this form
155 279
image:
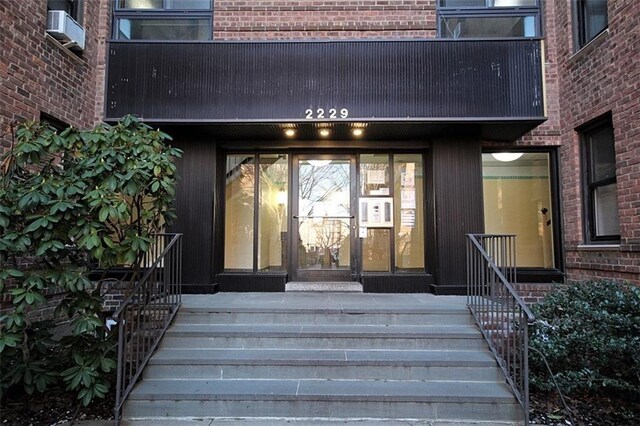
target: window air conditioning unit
64 28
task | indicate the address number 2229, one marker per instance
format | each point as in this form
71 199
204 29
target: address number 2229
310 114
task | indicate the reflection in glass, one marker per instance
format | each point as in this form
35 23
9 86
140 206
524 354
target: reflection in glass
376 256
606 210
324 211
487 3
517 200
602 153
409 212
239 193
374 175
167 4
164 29
487 26
272 222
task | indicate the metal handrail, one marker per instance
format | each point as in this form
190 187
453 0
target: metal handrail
145 314
501 314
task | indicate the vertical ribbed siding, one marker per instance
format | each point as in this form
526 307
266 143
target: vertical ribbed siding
233 82
194 208
459 205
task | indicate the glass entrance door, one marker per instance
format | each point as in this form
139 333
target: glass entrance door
323 218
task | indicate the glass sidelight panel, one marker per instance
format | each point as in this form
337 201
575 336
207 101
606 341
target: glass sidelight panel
409 212
324 214
272 215
376 255
239 211
374 175
517 200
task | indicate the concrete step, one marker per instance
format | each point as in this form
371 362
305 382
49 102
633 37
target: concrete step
322 399
437 317
322 337
322 364
324 357
324 287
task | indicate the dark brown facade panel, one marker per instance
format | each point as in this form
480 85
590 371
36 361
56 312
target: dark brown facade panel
250 283
194 207
430 80
457 174
396 283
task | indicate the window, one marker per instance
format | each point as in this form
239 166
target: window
256 199
517 200
162 20
601 203
590 19
72 7
488 18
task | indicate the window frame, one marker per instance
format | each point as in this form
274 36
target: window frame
164 13
75 9
446 12
590 184
579 24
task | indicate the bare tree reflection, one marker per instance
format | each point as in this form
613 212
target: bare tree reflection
324 195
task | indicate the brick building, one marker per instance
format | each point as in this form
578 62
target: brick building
361 140
40 77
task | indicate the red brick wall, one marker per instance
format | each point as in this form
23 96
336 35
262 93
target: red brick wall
602 77
315 19
38 75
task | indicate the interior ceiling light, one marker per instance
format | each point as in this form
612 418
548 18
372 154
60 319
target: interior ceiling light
324 132
319 163
290 133
357 132
507 156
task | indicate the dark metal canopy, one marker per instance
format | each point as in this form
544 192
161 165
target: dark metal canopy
490 89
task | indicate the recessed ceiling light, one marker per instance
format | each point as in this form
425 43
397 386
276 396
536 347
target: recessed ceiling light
324 132
290 133
357 132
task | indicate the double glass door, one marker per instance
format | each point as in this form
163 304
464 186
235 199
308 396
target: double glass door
323 221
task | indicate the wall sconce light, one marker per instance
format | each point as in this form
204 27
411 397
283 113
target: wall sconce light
290 133
324 132
506 157
357 132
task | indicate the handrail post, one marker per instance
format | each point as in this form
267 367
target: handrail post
146 312
499 311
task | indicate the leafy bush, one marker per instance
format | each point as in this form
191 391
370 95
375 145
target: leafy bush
589 333
69 201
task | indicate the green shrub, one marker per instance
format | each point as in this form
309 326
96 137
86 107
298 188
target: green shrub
70 201
589 333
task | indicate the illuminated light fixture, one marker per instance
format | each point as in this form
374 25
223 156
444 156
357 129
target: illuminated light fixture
357 132
507 156
290 133
319 163
281 197
324 132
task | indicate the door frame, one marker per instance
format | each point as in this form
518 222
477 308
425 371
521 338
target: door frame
296 273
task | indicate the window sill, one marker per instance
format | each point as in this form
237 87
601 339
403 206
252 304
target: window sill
584 50
77 59
598 247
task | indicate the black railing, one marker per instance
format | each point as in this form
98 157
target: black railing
500 312
147 311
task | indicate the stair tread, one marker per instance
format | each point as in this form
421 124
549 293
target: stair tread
323 357
345 310
311 330
342 390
